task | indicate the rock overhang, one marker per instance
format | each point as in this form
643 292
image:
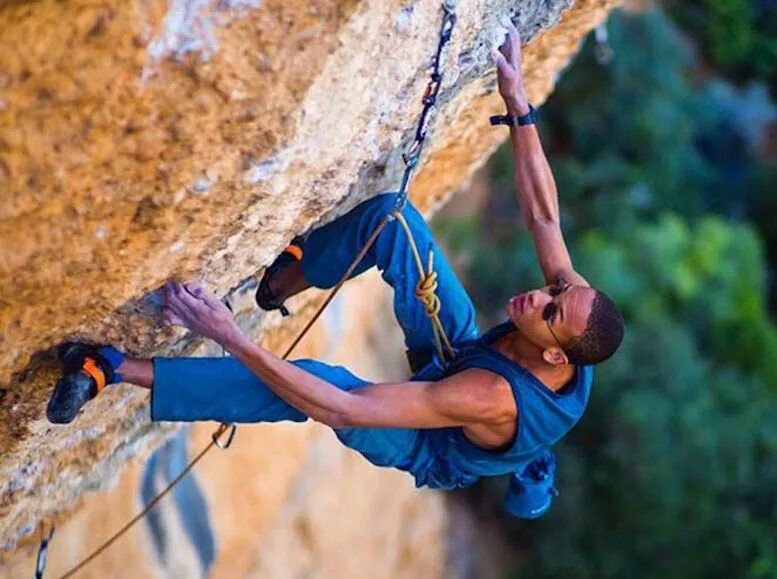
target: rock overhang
142 141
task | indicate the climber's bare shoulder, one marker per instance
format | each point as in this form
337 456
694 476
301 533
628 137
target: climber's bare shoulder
496 424
479 401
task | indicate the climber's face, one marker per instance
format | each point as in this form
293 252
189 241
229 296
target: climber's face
549 317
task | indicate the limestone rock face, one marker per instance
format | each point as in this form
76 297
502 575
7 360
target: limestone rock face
286 500
155 139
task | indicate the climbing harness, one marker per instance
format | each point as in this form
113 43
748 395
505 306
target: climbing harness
425 289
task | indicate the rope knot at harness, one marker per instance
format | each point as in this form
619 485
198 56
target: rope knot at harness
425 290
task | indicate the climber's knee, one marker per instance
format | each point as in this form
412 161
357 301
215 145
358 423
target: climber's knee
382 203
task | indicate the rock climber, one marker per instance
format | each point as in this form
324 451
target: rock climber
496 409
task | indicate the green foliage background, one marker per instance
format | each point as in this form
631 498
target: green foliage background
668 205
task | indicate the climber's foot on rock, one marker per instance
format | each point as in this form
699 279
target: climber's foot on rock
86 371
283 279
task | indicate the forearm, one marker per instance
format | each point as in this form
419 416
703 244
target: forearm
534 183
450 402
312 396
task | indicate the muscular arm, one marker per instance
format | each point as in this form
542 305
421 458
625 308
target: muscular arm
534 182
469 398
538 199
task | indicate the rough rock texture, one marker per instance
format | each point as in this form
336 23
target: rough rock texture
151 139
285 500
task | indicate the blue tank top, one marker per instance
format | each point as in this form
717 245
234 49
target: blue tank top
445 458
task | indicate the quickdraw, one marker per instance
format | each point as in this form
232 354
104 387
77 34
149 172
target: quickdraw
413 153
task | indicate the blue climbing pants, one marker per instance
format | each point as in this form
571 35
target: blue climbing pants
189 389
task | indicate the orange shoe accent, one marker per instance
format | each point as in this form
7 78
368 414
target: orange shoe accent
295 251
91 368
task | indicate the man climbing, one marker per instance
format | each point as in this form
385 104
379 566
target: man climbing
497 408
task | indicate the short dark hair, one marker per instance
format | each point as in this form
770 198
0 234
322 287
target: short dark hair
602 336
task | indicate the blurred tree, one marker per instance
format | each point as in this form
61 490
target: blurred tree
671 474
673 470
711 276
644 134
738 37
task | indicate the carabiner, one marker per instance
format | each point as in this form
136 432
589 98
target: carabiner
221 429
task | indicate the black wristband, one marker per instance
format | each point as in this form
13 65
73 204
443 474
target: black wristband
529 118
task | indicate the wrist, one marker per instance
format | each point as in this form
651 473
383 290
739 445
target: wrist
235 342
517 104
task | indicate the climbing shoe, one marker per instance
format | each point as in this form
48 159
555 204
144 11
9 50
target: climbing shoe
265 298
86 371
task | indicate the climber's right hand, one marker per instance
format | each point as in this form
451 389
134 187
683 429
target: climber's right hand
190 306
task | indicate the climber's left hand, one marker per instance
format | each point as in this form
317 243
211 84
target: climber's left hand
190 306
508 72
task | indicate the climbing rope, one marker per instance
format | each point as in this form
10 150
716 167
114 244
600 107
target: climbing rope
410 158
425 292
425 289
215 441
